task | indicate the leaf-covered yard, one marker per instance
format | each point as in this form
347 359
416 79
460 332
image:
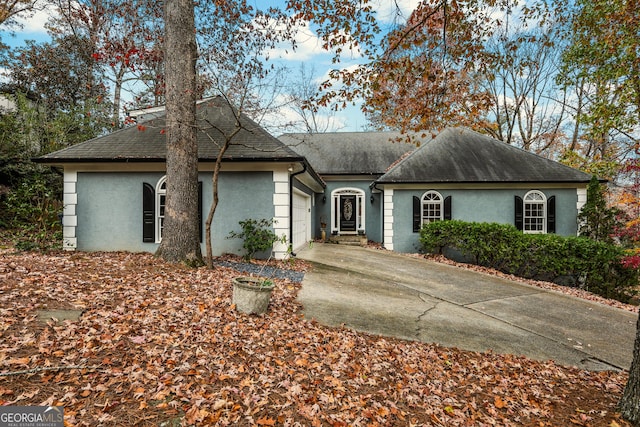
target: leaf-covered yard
159 344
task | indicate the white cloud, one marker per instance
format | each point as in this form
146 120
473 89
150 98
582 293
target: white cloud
394 11
307 46
34 24
286 119
346 68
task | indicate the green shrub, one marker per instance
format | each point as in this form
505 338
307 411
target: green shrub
258 236
31 212
589 264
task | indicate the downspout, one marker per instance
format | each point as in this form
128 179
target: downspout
374 186
304 169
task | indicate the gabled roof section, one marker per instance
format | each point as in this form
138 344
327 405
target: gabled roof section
459 155
349 153
146 142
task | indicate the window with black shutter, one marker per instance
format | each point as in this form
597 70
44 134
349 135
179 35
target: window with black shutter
551 214
447 208
417 214
148 213
519 217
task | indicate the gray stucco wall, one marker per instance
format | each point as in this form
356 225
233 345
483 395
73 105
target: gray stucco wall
479 206
109 208
243 195
109 211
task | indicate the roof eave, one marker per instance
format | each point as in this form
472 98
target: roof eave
482 182
363 174
59 160
62 160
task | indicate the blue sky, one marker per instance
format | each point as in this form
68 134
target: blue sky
308 52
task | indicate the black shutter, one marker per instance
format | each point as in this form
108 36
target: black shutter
447 208
148 213
200 210
551 214
417 214
519 217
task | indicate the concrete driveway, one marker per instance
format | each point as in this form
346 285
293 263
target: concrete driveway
390 294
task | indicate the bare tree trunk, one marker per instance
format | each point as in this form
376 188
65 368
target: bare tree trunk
629 405
214 182
180 241
117 96
214 205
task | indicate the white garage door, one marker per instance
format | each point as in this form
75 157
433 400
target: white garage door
301 219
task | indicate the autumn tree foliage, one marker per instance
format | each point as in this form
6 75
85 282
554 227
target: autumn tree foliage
57 76
601 61
597 220
479 64
11 9
605 51
509 70
527 106
629 201
125 41
428 76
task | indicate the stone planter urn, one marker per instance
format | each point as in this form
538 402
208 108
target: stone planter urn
251 295
323 231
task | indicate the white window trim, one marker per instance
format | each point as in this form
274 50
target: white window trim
423 201
160 192
542 201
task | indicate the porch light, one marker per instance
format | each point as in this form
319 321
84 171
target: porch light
371 198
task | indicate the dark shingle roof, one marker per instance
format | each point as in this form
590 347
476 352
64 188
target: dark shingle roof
147 141
349 153
464 156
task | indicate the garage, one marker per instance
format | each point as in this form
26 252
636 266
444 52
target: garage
301 219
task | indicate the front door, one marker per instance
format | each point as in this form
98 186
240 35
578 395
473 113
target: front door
348 213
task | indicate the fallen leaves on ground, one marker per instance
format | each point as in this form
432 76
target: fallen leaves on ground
160 344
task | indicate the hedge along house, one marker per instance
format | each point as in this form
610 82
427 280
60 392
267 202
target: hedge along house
115 185
458 174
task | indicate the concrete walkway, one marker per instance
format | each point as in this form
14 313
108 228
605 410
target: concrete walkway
390 294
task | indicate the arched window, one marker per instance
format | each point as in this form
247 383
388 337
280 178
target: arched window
535 212
161 198
431 207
